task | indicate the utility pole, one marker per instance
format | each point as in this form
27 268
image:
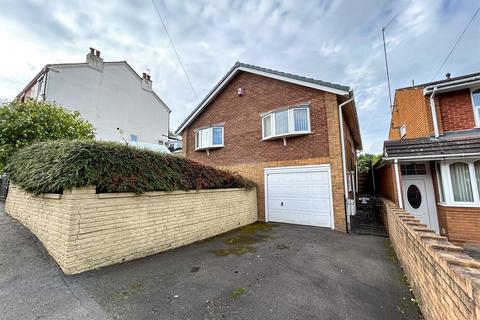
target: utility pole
386 62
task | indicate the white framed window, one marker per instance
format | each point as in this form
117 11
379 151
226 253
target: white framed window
459 182
209 138
476 105
133 138
286 122
403 130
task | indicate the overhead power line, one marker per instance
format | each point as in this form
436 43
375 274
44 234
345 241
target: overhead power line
176 52
456 42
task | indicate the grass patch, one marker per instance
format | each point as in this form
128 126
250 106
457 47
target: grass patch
237 292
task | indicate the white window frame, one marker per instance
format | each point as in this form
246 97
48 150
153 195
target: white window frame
476 109
447 184
198 138
291 123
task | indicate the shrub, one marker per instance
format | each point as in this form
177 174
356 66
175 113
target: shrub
366 161
54 166
24 123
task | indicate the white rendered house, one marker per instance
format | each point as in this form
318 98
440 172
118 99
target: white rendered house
119 103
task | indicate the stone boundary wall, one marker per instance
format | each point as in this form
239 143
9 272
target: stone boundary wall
444 279
83 230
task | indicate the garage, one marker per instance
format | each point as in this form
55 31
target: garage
299 195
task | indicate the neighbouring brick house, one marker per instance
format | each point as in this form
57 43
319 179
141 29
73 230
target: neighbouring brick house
286 133
432 158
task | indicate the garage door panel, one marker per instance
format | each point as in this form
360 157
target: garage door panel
300 197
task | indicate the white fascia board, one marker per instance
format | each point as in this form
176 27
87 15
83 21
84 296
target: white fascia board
433 157
261 73
454 85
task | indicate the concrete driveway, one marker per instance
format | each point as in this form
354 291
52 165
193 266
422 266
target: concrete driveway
258 272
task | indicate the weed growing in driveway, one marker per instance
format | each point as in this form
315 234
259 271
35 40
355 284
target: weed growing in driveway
237 250
283 246
237 293
255 227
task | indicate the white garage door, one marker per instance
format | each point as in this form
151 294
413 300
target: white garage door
299 195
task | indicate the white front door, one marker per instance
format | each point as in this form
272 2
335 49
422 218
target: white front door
299 195
419 199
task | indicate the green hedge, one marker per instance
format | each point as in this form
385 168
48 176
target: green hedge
54 166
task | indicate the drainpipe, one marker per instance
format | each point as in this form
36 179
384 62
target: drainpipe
344 161
434 112
397 180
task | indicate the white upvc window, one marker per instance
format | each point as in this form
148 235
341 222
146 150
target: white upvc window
209 138
133 138
286 122
459 182
403 130
476 105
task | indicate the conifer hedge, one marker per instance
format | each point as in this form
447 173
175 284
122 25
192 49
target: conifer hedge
54 166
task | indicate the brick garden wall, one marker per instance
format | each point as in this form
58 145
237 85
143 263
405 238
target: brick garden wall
444 279
82 230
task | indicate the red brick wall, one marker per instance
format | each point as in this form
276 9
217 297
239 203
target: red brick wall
456 110
385 182
245 153
243 127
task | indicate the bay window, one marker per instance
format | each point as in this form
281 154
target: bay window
286 122
459 182
209 138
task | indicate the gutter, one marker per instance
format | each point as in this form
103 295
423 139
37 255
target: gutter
344 161
450 84
434 156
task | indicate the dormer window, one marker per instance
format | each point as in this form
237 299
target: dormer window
286 122
476 106
209 138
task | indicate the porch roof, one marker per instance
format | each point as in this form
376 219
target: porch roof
452 144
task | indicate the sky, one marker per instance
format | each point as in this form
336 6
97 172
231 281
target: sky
338 41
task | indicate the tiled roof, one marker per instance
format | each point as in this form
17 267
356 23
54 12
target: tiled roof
464 142
237 65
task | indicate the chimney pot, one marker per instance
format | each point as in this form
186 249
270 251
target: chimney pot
448 75
92 50
97 53
144 75
148 76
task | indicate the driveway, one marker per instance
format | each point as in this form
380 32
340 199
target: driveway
259 272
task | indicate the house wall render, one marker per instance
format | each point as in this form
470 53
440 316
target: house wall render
83 230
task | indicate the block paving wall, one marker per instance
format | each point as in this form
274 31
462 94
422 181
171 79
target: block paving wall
444 279
82 230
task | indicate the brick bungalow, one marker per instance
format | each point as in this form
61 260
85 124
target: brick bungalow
296 137
432 158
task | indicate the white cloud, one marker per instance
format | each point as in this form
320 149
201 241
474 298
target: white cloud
337 41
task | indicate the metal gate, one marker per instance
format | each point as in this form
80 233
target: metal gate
368 218
3 187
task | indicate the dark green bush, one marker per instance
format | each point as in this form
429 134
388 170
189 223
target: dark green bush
54 166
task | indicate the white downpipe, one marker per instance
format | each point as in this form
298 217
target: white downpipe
344 161
342 143
397 180
434 112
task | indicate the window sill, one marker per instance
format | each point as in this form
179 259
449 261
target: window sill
209 147
460 204
287 135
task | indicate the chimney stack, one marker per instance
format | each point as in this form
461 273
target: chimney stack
146 82
94 60
448 75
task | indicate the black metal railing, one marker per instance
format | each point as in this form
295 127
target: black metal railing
368 218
